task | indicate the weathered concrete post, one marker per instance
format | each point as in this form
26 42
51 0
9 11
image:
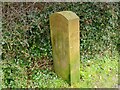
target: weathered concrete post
64 27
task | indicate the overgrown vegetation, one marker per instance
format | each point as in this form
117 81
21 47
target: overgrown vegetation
94 73
27 52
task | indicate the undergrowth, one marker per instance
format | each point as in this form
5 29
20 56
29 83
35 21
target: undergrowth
94 73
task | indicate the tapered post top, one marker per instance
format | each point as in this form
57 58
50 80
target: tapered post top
69 15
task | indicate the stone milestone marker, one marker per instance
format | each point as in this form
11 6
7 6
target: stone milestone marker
64 27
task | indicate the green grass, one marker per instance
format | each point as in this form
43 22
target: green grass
99 73
96 73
